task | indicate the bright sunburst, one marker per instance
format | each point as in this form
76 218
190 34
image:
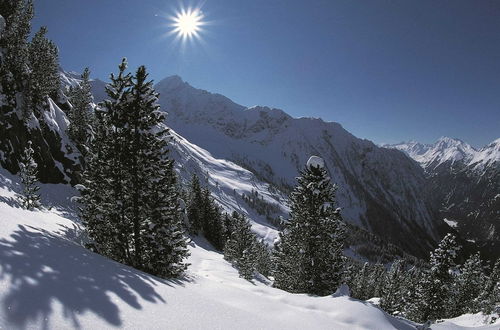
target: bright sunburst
187 23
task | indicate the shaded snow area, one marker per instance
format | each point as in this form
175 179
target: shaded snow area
467 321
48 280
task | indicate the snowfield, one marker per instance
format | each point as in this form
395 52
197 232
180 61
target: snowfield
49 281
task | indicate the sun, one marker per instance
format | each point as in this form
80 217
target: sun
188 23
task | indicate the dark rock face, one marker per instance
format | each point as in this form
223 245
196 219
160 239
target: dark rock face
471 198
58 160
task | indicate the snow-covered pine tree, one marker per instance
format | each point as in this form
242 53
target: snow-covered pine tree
263 263
81 113
44 63
489 298
392 292
376 280
467 287
30 198
14 71
240 248
309 255
360 283
134 217
410 291
159 244
104 179
212 221
434 289
194 205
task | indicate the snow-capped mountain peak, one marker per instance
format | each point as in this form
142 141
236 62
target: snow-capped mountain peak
445 150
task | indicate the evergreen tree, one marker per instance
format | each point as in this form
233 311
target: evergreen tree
14 68
376 281
360 288
44 64
241 247
434 288
467 287
212 221
81 112
134 217
392 293
103 196
194 206
410 291
489 299
263 263
309 254
30 198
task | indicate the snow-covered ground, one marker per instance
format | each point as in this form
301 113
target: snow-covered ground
49 281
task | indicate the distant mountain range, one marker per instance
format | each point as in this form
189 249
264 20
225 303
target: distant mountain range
250 157
466 183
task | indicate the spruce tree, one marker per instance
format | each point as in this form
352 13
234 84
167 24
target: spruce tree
154 206
241 247
81 112
14 69
130 200
467 287
435 286
30 198
309 255
44 63
361 285
489 299
194 205
392 293
104 179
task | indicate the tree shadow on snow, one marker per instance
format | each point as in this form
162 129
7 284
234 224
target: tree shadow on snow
43 267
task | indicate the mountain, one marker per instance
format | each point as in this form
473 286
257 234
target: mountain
466 183
380 190
446 151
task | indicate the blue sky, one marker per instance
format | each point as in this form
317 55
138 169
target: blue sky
386 70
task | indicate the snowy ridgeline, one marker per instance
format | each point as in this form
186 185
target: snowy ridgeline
48 280
449 150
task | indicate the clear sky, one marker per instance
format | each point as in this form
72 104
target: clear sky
386 70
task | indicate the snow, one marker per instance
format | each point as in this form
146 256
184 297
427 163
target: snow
48 280
315 161
450 150
451 223
468 321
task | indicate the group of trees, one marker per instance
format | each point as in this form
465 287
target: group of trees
29 70
129 196
229 233
441 290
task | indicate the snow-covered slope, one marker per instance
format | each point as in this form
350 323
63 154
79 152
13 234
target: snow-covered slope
49 281
380 190
228 182
73 79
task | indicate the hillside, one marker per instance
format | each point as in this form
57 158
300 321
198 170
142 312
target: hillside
41 256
